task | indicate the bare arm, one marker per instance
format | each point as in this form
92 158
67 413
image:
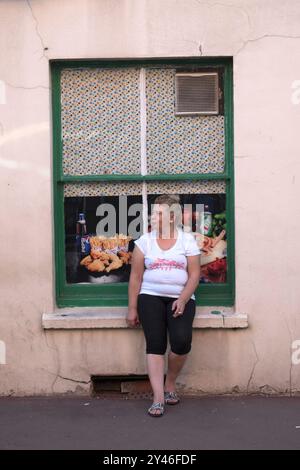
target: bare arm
134 285
194 271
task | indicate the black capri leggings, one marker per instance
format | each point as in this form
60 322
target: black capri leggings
156 317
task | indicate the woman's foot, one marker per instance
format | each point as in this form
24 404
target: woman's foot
171 398
156 409
170 395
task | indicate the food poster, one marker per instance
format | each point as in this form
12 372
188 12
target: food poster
98 246
100 233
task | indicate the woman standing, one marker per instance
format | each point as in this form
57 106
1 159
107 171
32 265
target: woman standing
165 272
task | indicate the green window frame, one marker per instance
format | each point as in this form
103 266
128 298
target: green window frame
72 295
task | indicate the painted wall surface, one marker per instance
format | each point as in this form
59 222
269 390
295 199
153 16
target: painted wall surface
263 37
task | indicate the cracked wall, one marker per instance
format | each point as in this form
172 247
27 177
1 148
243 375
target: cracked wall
264 39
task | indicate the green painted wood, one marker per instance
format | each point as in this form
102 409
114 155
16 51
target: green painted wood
116 294
135 177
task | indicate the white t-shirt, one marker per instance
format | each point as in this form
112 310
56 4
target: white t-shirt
166 270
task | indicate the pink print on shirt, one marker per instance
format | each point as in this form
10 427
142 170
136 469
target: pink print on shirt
166 264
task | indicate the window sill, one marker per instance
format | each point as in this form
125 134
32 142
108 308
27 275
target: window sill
114 317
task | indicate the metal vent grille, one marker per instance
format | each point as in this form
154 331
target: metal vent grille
121 386
196 93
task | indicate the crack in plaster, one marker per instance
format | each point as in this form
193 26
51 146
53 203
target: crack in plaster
74 380
211 5
246 41
198 44
28 87
57 360
254 366
44 48
57 374
282 36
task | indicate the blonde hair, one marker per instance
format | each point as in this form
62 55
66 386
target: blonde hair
172 201
168 199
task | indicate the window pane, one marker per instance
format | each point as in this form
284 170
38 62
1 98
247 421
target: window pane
103 188
179 144
86 205
100 113
204 215
98 217
186 187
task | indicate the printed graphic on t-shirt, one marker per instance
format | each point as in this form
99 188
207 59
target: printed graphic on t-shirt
166 264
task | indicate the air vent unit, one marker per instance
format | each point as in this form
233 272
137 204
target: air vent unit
196 93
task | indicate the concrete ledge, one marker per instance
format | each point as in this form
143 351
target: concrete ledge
236 321
114 317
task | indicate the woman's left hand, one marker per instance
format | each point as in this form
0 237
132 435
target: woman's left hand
179 306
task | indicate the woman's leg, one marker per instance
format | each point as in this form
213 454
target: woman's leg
180 333
156 370
175 364
152 315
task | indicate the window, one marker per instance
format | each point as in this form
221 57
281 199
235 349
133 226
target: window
124 132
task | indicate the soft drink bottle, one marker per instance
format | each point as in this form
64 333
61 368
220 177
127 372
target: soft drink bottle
80 230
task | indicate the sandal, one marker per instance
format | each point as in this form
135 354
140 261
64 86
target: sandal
171 398
156 406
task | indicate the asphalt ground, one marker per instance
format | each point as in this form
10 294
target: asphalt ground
74 423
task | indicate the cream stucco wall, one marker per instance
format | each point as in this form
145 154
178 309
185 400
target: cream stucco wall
263 36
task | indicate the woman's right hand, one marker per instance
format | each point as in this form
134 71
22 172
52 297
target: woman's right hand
132 318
